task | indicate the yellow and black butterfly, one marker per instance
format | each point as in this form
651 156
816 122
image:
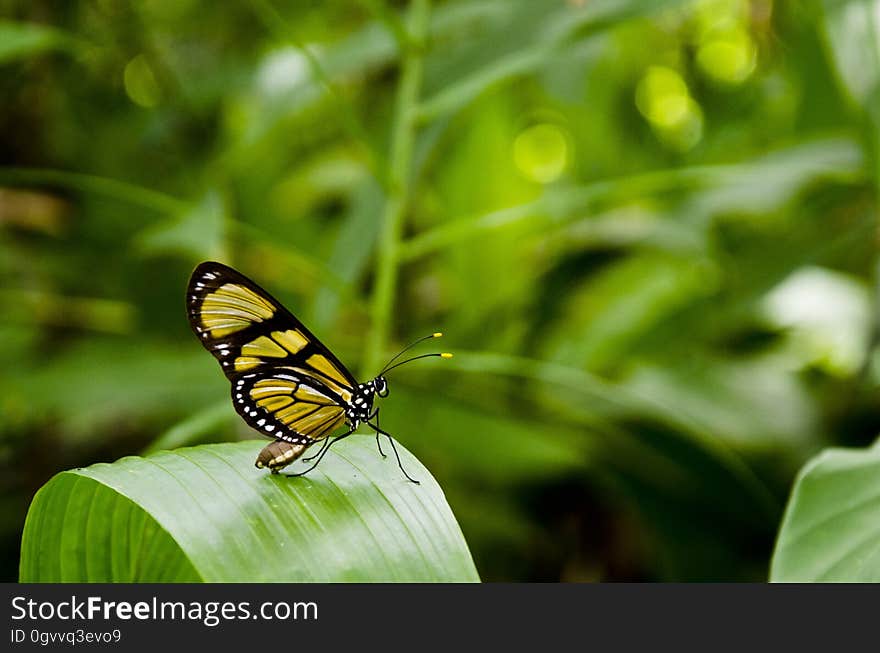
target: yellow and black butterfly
285 383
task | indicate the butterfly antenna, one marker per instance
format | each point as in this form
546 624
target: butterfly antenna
407 348
445 354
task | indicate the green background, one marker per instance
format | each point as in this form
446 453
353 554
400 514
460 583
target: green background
647 229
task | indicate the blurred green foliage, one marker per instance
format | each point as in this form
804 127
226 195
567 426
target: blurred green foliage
647 228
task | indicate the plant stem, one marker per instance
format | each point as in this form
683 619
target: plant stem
403 133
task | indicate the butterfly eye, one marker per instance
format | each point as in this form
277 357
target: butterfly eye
381 386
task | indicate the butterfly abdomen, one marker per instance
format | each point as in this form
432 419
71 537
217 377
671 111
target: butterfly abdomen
278 454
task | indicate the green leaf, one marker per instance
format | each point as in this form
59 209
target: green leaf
19 40
831 528
207 514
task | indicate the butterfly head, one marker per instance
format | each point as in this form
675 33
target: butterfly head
380 385
361 407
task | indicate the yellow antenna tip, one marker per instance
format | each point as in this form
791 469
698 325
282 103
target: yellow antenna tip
437 335
445 354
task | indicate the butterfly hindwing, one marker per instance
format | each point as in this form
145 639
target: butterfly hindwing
285 382
287 407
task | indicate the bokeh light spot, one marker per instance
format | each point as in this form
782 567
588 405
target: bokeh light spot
140 83
662 97
685 134
540 152
728 58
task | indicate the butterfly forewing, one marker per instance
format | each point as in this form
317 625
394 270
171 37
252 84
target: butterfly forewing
285 382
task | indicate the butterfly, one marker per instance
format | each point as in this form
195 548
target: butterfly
286 383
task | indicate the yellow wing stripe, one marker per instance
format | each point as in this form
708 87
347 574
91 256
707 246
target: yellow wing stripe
222 305
343 391
222 329
320 363
275 402
292 413
268 387
292 340
310 395
240 297
319 422
330 427
232 308
263 346
245 363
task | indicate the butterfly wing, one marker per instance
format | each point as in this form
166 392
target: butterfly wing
287 406
285 382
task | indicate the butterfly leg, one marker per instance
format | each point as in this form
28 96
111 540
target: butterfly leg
320 451
394 449
378 444
324 450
